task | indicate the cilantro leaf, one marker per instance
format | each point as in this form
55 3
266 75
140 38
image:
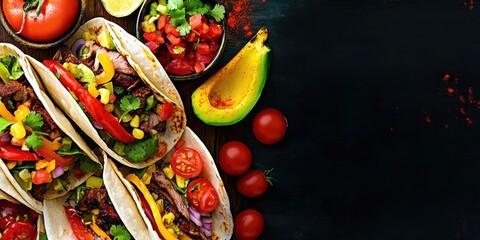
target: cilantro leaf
4 124
202 10
118 90
192 4
177 17
129 103
141 150
34 120
184 29
120 232
175 4
218 12
87 165
34 141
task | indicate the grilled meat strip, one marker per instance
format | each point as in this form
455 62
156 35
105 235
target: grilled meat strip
97 198
173 203
18 93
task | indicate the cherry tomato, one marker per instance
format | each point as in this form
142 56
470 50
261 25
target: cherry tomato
187 162
248 225
41 176
254 183
20 231
165 111
269 126
55 18
235 158
201 195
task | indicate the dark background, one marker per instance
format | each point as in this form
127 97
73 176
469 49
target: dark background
377 147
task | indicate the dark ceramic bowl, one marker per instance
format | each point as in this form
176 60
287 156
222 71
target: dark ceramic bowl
45 45
144 9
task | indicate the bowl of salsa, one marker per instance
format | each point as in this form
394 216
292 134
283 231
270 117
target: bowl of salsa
187 37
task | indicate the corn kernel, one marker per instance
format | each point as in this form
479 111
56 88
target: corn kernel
127 118
17 130
95 211
138 133
41 164
21 112
88 36
104 95
154 196
11 165
135 121
168 172
92 89
148 27
146 178
168 218
109 107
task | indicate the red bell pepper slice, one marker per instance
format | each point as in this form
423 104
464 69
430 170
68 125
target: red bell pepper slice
79 229
12 153
50 154
93 106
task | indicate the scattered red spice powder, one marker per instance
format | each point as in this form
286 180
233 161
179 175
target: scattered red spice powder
240 16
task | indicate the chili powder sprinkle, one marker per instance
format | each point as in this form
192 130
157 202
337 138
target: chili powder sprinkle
240 16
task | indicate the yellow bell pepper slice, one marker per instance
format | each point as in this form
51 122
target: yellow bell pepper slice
108 69
5 113
153 205
98 230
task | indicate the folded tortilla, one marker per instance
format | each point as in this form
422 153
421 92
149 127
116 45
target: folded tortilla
62 122
148 69
222 225
56 222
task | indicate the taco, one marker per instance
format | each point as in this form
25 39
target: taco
18 221
182 197
41 154
117 98
101 208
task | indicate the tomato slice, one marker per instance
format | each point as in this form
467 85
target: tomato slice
187 162
41 176
201 195
20 231
165 111
79 229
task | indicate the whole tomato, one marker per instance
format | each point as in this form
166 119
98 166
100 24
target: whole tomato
248 225
269 126
254 183
235 158
54 19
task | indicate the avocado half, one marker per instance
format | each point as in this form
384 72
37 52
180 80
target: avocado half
231 93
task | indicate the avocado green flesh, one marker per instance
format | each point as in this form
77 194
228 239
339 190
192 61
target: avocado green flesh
230 94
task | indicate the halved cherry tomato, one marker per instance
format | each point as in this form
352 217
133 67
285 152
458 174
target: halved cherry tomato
201 195
79 229
165 111
187 162
41 176
55 18
20 231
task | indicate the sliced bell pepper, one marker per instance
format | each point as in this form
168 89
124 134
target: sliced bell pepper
93 106
5 113
79 229
50 155
98 230
108 69
152 204
8 152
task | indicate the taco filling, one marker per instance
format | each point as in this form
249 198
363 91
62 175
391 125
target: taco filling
178 200
127 114
17 221
35 150
91 213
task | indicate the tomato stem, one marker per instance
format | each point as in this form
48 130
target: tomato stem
268 176
27 6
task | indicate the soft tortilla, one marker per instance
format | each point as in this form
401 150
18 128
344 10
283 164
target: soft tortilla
61 121
162 87
56 221
222 226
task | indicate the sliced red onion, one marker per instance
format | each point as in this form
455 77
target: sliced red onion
205 214
57 172
96 125
207 232
5 138
78 46
206 220
193 213
207 226
153 120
